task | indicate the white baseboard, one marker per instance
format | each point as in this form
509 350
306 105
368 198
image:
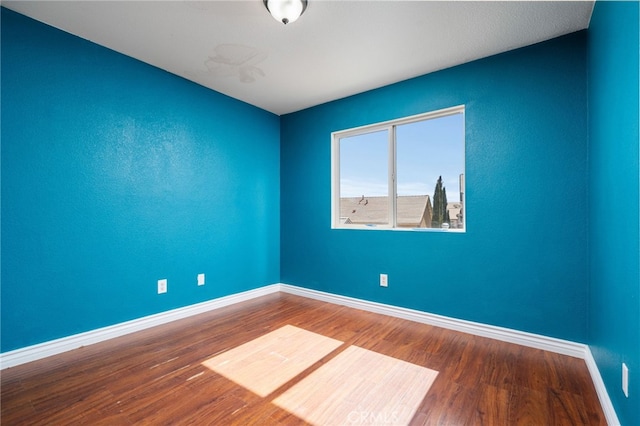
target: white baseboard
54 347
564 347
537 341
601 390
551 344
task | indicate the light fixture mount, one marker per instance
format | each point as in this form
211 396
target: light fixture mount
285 11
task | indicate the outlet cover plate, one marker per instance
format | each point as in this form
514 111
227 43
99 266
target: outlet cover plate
162 286
200 279
384 280
625 379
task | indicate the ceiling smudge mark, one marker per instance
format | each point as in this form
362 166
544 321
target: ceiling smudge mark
236 60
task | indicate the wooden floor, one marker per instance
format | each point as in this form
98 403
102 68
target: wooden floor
156 376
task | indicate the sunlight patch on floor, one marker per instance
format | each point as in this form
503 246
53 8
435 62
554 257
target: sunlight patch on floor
268 362
359 386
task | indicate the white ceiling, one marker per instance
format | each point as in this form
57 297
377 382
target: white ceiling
336 48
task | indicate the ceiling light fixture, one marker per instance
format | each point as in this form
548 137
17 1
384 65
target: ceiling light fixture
285 11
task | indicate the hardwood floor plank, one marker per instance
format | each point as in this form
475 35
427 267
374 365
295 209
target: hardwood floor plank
529 407
566 408
492 407
447 403
156 376
17 412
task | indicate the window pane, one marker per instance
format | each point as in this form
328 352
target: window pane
364 176
430 173
422 157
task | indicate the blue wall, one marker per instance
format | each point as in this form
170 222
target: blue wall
116 174
523 261
614 319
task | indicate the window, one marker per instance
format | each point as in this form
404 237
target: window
401 174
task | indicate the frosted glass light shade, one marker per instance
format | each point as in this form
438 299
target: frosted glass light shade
285 11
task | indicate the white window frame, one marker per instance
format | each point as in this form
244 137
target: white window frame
390 127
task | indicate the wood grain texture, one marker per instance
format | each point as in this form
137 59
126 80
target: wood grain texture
359 386
267 362
156 376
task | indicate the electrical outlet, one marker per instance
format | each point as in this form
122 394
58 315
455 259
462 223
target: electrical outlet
384 280
625 380
162 286
200 279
